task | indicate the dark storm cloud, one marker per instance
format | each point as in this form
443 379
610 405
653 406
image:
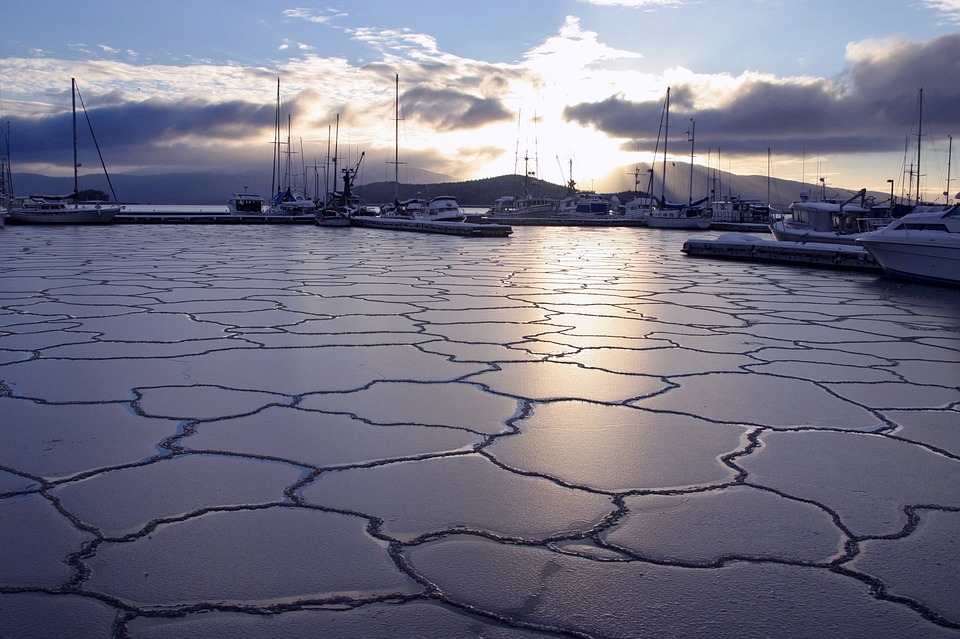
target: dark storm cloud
449 110
131 132
873 107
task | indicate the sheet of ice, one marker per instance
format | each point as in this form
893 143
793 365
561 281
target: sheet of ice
460 493
636 599
617 448
271 430
334 558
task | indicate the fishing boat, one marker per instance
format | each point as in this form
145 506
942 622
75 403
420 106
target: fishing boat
831 221
923 245
341 205
68 209
245 203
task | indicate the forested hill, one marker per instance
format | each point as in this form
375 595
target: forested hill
215 188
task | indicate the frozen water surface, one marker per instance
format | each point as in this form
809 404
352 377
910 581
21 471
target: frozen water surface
267 431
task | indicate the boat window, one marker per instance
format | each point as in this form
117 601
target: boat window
925 227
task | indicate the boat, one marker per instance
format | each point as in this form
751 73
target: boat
67 209
341 205
287 199
6 177
527 205
676 216
831 221
443 208
685 217
245 203
583 204
922 246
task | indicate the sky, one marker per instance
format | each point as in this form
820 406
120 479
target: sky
797 89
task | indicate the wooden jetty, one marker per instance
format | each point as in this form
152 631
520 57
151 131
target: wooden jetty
738 246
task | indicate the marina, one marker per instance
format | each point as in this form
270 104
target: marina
274 431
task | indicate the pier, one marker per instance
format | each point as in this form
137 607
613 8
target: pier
739 246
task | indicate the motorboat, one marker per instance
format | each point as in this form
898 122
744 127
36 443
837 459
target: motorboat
583 204
829 221
245 203
923 245
443 208
639 207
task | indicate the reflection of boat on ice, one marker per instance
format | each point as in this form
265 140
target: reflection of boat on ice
923 245
67 209
245 203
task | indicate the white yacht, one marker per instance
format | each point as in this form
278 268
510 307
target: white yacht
245 203
443 208
687 217
923 245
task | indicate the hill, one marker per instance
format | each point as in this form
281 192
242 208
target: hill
214 188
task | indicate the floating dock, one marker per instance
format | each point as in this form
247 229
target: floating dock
161 217
738 246
446 228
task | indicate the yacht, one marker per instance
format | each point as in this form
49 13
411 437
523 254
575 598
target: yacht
443 208
923 245
245 203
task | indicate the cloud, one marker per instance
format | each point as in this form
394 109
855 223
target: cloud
949 9
449 110
150 132
314 15
634 4
870 108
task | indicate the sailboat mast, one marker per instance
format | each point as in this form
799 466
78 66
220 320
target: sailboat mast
396 139
949 160
73 96
693 135
275 174
919 137
666 131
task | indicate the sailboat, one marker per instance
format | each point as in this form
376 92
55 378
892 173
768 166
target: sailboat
689 216
443 208
68 209
6 177
287 199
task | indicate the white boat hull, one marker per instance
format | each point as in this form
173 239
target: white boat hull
919 256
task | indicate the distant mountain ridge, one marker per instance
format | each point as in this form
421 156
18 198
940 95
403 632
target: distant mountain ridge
213 188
